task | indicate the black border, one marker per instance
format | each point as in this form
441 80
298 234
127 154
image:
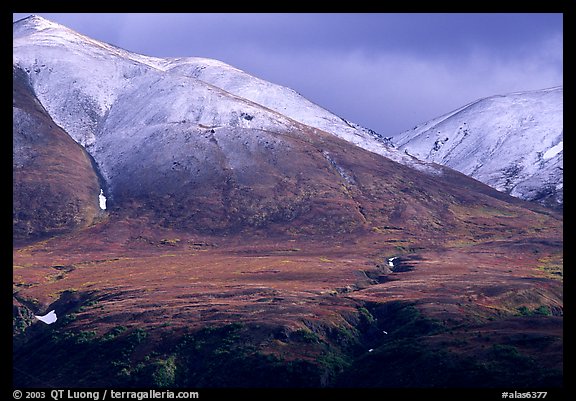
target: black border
550 6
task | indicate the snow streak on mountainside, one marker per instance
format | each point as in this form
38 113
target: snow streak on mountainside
513 143
92 88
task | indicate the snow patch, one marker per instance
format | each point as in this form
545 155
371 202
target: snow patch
553 151
102 200
391 261
49 318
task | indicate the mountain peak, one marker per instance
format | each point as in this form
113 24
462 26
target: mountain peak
37 22
33 24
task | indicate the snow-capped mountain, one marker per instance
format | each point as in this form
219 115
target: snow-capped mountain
85 97
196 144
514 143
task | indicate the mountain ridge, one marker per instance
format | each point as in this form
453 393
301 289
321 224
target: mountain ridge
337 126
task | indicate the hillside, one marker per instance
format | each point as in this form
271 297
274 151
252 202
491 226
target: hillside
55 187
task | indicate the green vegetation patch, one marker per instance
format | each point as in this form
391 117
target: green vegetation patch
380 345
542 310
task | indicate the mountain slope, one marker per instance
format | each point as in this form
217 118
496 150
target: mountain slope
285 101
513 143
80 111
55 187
190 153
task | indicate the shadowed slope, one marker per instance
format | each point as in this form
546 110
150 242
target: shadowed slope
54 183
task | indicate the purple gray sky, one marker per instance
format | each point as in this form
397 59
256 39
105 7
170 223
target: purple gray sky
387 72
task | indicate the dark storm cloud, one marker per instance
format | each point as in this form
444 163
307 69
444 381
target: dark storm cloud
384 71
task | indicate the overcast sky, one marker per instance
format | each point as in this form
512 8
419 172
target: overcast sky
387 72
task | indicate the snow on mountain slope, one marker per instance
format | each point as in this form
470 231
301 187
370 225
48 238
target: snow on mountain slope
80 93
513 143
278 98
291 104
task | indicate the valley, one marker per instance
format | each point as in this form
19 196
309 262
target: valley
303 310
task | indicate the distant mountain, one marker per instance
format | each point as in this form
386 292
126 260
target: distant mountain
513 143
